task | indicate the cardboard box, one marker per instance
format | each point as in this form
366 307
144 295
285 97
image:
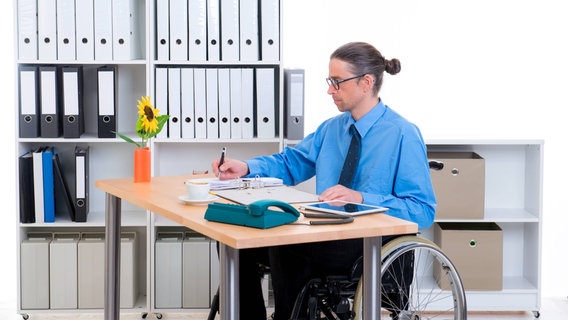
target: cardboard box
476 250
459 185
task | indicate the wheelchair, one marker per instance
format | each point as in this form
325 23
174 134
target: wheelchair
418 282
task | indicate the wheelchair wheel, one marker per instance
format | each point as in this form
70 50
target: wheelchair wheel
434 292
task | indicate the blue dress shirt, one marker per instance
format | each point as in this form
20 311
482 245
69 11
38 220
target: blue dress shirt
393 169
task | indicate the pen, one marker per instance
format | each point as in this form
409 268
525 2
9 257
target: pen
223 151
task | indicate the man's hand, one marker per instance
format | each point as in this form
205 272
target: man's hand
339 192
230 169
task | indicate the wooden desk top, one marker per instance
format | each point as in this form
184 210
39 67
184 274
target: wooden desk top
161 197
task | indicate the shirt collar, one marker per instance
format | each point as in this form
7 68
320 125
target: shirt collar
364 124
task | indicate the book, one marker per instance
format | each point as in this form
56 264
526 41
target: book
81 183
26 177
38 184
63 200
48 185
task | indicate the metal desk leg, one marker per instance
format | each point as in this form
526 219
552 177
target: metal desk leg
112 256
372 278
229 288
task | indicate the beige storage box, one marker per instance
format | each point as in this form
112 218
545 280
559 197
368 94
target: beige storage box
91 265
459 185
476 250
195 291
63 270
168 281
34 270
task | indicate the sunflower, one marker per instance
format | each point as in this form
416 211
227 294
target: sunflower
149 122
148 115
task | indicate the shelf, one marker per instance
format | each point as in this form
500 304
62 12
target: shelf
517 292
481 141
84 62
510 285
128 218
217 141
94 219
191 63
139 307
512 215
85 138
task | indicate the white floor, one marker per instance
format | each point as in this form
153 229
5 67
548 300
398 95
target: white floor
553 308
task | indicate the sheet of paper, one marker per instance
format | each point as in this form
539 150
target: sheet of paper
281 193
257 182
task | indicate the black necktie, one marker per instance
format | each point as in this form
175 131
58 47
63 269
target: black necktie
352 159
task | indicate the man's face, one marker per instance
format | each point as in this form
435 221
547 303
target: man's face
349 93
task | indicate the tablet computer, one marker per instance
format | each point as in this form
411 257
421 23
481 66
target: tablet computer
343 208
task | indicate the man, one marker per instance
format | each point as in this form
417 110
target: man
388 167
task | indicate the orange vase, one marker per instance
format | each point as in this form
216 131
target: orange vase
142 164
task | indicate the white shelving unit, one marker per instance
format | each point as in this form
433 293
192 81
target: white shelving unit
513 200
113 158
513 196
132 83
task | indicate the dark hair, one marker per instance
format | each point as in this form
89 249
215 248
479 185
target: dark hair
366 59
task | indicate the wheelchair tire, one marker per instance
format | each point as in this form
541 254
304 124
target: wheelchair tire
424 298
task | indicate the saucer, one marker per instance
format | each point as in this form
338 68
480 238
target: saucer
199 202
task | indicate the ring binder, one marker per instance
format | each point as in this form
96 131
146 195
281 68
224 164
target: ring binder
72 88
49 102
294 104
106 88
81 183
29 102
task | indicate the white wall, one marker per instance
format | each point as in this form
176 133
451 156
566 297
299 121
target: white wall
469 68
484 68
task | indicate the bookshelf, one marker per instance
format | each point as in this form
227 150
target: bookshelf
513 201
513 184
138 56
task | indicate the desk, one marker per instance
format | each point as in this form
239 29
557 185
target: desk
161 197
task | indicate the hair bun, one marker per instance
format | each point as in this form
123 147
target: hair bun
392 66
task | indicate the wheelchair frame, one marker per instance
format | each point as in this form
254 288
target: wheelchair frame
336 298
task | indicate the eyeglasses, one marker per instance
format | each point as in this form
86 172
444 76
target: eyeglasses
335 83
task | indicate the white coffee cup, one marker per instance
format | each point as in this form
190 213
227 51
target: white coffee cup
197 189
